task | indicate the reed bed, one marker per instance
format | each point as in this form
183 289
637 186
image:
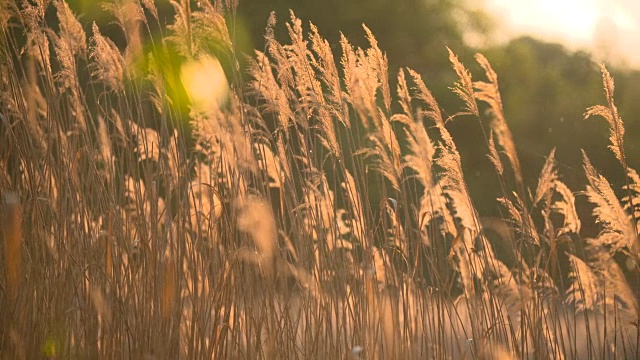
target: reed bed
161 201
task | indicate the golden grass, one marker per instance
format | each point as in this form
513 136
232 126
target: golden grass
12 235
300 215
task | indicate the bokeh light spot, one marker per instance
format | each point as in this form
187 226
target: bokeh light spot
205 83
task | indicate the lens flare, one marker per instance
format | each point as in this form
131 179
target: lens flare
205 83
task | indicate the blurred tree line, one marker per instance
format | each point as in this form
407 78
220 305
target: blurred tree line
414 33
545 88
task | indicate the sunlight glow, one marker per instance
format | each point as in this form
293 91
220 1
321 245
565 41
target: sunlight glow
205 83
573 18
609 28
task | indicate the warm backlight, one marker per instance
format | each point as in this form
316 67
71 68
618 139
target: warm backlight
205 83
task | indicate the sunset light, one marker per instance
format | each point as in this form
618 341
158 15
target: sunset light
609 29
336 179
205 82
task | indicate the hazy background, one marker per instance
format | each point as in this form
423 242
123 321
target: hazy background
608 28
546 54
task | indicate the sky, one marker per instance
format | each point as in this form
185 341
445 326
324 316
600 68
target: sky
610 29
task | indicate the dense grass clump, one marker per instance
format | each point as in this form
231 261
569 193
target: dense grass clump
157 205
